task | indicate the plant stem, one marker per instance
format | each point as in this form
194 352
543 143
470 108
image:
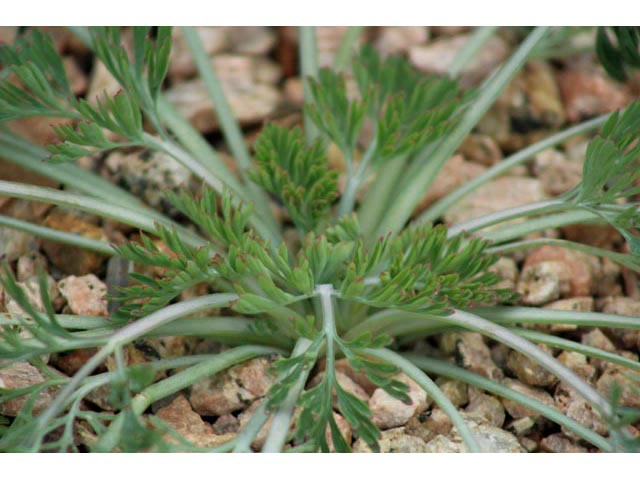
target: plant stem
445 369
194 374
484 221
128 334
348 198
504 335
251 430
517 230
437 209
477 40
191 139
545 316
345 50
57 235
92 205
309 68
281 421
230 128
623 259
22 153
433 391
411 193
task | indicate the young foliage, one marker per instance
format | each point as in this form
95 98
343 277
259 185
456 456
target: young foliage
297 174
622 56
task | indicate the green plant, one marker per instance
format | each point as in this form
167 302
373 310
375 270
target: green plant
362 279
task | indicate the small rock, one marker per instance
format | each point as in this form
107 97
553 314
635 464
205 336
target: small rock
582 412
529 371
233 389
629 338
442 444
487 408
343 427
455 172
226 424
542 283
328 40
31 289
472 353
455 391
346 383
249 104
517 410
481 149
491 440
251 40
522 426
149 175
620 377
359 378
389 412
596 338
13 244
579 364
30 265
435 57
72 260
587 93
398 40
101 84
556 172
23 375
507 270
180 416
394 441
499 194
580 267
181 66
558 443
534 100
575 304
85 295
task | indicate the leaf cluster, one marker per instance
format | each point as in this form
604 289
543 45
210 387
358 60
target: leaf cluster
621 56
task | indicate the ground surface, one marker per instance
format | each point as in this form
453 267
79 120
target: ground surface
258 67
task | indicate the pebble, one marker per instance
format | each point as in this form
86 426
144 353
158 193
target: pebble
180 416
482 149
556 171
232 390
454 173
436 56
23 375
628 338
487 408
517 410
558 443
589 92
395 440
69 259
398 40
529 371
148 175
85 295
499 194
472 353
389 412
623 378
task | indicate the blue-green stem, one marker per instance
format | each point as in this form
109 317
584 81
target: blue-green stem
623 259
281 419
504 335
309 68
346 48
427 169
128 334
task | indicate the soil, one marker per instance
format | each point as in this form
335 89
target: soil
258 68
